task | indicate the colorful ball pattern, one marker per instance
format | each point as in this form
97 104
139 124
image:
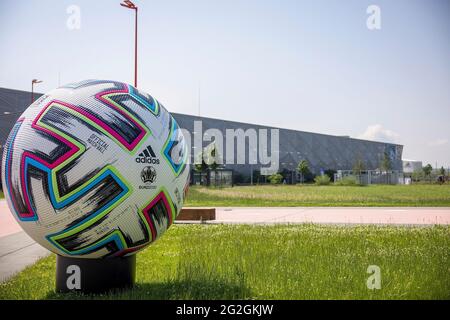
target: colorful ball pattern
95 169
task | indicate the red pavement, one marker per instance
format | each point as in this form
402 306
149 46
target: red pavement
335 215
8 224
326 215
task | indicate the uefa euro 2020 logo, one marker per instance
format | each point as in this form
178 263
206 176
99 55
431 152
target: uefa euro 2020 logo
148 174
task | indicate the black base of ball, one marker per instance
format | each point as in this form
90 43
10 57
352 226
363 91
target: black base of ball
94 275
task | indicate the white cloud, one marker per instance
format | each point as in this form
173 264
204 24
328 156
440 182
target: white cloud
377 132
438 142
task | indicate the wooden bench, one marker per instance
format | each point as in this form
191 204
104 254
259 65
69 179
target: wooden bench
197 214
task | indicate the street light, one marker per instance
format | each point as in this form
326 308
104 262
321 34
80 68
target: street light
130 5
33 82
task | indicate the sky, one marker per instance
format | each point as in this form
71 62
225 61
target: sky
304 65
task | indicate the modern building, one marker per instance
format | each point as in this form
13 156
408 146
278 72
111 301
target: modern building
323 152
410 166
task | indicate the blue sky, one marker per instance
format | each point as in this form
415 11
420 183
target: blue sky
306 65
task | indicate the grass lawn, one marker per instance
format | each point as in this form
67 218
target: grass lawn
1 194
274 262
311 195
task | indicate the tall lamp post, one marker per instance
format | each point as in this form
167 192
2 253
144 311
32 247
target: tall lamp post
33 82
130 5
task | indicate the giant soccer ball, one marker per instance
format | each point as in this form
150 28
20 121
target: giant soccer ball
95 169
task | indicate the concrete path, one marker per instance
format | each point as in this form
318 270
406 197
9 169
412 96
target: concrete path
18 251
334 215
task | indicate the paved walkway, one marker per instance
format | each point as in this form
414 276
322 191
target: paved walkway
17 249
334 215
8 224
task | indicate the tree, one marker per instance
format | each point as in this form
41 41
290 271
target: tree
213 165
385 164
358 167
209 153
417 175
303 168
200 165
257 176
427 170
442 171
330 173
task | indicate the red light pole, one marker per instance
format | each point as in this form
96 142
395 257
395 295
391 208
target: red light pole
33 82
130 5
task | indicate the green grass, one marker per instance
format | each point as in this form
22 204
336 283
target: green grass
274 262
1 194
311 195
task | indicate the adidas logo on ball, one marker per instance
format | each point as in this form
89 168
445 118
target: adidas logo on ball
147 156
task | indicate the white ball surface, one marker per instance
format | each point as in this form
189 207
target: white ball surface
95 169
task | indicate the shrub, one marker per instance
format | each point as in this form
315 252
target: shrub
330 173
239 178
348 181
275 178
322 180
418 175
